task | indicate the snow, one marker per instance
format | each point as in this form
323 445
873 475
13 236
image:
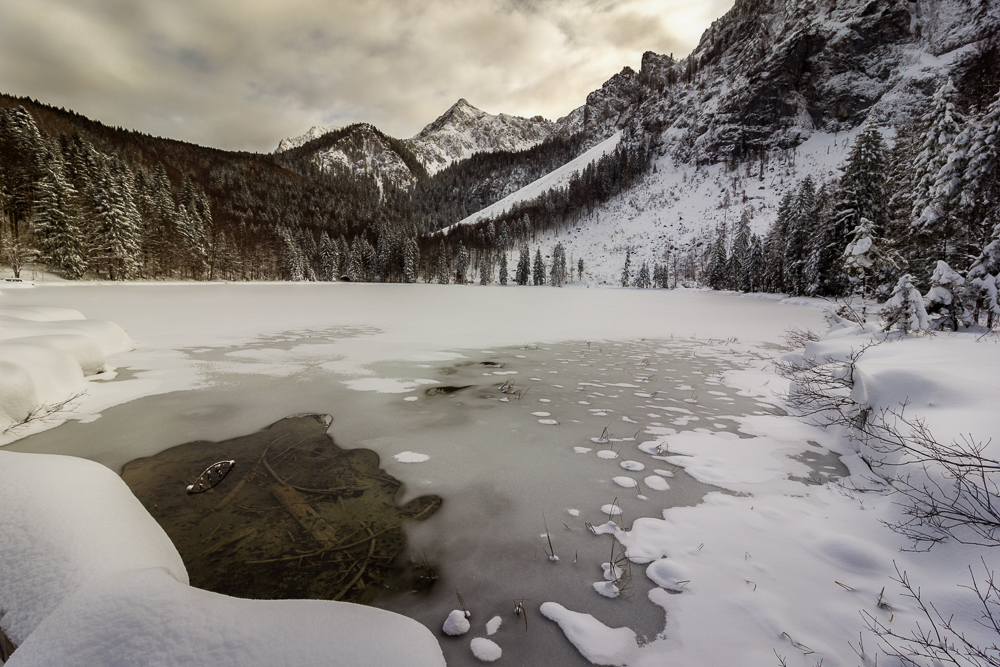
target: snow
89 578
457 623
493 625
597 643
411 457
485 649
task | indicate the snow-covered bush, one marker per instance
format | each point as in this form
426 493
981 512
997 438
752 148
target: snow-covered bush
943 302
905 308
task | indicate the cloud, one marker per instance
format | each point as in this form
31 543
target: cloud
243 75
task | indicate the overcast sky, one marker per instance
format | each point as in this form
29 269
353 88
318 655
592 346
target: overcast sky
242 74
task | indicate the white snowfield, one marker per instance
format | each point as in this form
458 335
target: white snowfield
87 577
45 354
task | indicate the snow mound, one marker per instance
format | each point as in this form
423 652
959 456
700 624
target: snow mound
457 623
485 649
597 642
87 577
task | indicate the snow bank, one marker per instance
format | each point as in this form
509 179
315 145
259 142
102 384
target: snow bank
45 354
87 577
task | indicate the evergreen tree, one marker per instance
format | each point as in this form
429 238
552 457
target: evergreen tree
443 265
538 269
739 261
503 267
523 273
627 271
56 223
579 269
718 265
642 278
115 242
983 283
411 260
328 261
558 274
461 265
867 262
942 125
980 198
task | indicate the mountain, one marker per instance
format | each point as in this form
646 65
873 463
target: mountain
315 132
361 149
464 130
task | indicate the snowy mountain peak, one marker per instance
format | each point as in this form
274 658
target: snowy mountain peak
315 132
463 130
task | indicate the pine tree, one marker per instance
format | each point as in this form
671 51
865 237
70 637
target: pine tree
503 267
411 260
523 273
461 265
443 269
579 269
942 124
642 278
718 266
627 271
867 260
538 268
739 261
328 261
115 241
755 268
56 223
980 198
983 283
558 274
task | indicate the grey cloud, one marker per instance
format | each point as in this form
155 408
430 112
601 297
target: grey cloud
244 75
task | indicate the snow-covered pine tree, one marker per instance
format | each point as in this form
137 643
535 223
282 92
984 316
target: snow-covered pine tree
308 252
538 268
627 271
755 270
739 260
642 279
484 277
523 273
579 269
327 258
905 308
983 283
943 302
291 258
56 221
980 198
461 265
867 260
114 244
503 266
718 265
557 276
930 220
411 260
443 264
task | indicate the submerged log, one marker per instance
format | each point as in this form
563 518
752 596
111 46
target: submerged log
296 505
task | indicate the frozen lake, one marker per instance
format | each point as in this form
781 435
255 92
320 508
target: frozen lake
597 381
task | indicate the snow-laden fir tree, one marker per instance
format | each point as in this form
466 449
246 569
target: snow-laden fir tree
642 279
739 259
627 271
56 222
523 273
503 266
557 276
755 270
867 260
114 245
983 283
905 308
461 265
579 269
942 124
328 261
943 302
718 263
979 203
443 270
411 260
484 277
538 268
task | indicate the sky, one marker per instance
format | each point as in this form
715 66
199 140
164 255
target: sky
243 74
